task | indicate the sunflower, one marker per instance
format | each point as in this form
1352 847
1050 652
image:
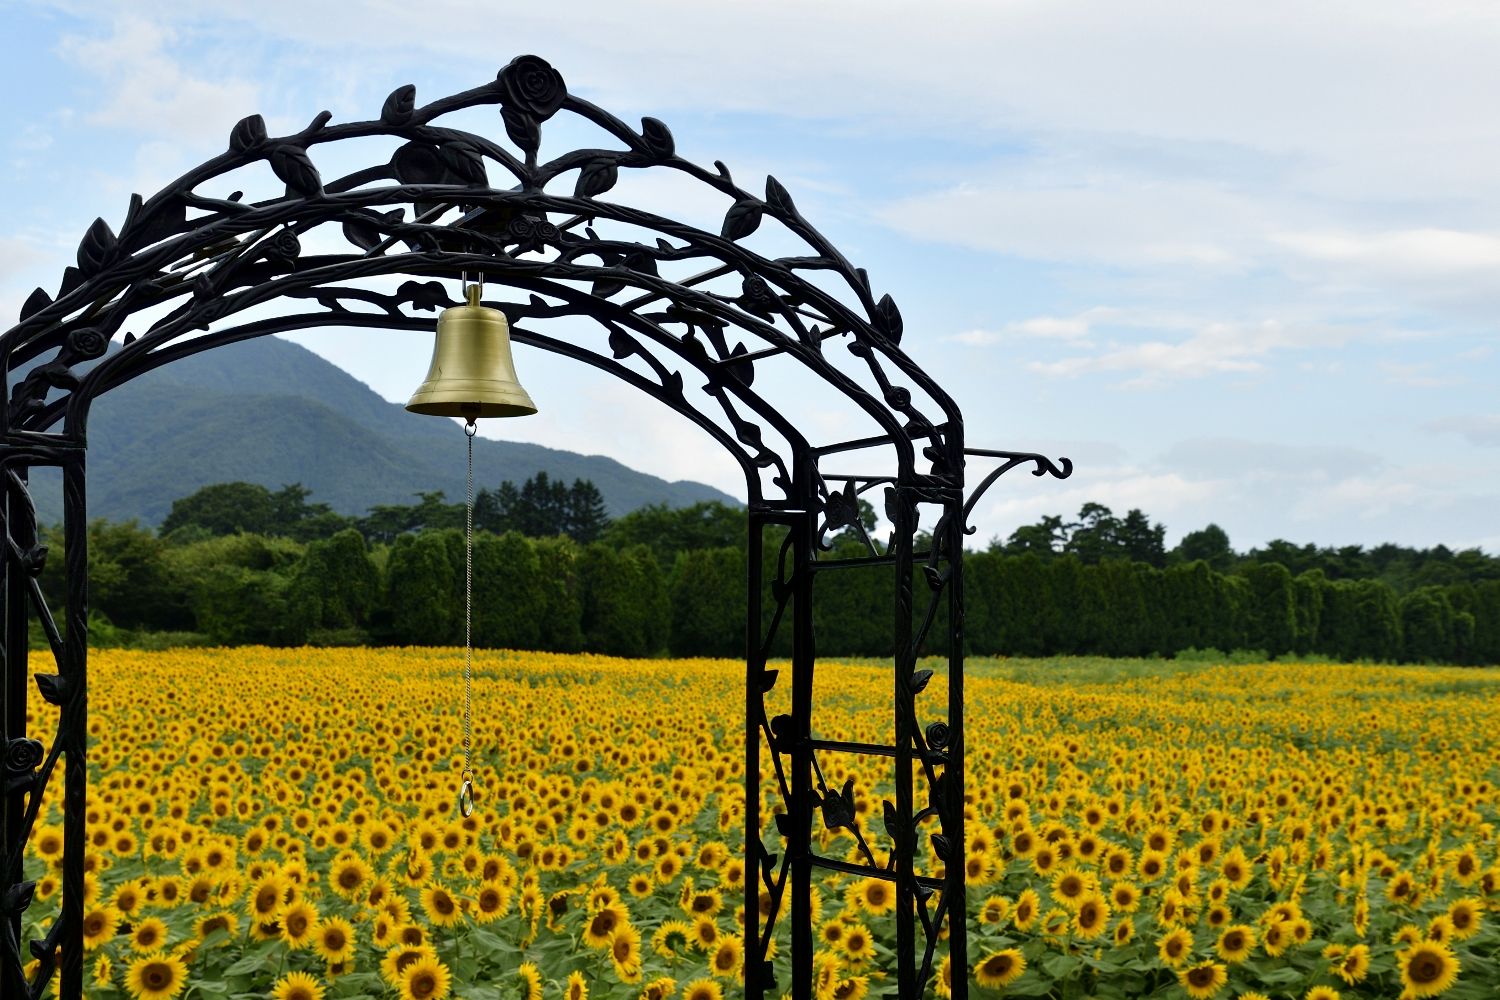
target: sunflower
671 935
705 933
1153 865
1124 896
625 953
995 910
600 926
297 986
707 903
578 987
858 943
398 959
1056 922
727 958
156 977
531 981
1204 980
1124 931
334 939
874 895
441 908
1001 968
853 988
349 875
265 900
1427 968
1276 939
425 979
640 885
1465 916
1028 904
99 926
491 902
1322 993
1175 946
1235 943
658 989
297 923
702 989
1069 886
943 978
1091 916
149 935
1354 964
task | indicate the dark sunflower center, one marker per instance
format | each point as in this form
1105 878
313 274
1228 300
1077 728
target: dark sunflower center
1425 968
1202 976
333 939
157 975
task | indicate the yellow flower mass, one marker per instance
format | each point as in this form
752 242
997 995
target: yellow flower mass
283 823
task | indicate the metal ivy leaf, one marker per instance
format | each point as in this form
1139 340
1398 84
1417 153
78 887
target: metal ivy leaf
942 847
596 177
295 168
603 288
248 134
522 129
35 303
781 728
838 807
887 319
658 139
620 344
892 823
361 230
399 106
768 680
427 295
742 219
918 681
777 197
418 163
464 160
741 371
97 247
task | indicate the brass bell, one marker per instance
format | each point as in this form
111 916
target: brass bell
472 374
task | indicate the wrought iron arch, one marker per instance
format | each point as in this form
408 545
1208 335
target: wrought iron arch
690 302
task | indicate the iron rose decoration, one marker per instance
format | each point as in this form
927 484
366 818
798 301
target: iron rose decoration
531 85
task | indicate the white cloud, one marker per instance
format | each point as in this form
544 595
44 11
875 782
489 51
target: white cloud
1210 348
1068 328
1478 429
142 87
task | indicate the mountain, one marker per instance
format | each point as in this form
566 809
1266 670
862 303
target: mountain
272 412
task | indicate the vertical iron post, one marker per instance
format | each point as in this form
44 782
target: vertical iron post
904 663
73 728
799 844
755 664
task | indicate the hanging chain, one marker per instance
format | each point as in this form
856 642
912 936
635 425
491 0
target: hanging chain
466 788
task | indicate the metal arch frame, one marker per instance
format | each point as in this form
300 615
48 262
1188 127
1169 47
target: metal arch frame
236 255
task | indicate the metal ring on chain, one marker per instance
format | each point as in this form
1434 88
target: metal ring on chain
466 785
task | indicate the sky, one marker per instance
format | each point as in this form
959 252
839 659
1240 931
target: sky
1239 262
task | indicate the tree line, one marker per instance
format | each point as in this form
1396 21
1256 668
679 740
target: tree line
665 581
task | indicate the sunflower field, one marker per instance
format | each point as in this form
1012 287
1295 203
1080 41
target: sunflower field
282 823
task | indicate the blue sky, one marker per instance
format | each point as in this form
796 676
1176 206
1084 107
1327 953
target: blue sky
1238 261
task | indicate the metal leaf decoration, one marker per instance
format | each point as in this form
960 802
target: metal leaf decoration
522 129
248 134
295 168
658 139
97 247
742 219
777 197
887 319
596 177
35 303
464 159
399 106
